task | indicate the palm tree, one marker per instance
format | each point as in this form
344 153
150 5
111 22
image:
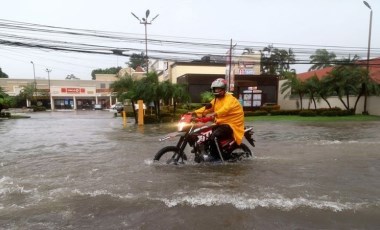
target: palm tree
207 96
248 51
180 95
324 90
148 90
345 80
124 90
276 61
293 85
312 85
322 59
368 85
28 92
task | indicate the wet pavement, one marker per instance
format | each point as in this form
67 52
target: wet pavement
85 170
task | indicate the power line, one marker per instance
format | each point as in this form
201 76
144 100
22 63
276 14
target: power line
168 48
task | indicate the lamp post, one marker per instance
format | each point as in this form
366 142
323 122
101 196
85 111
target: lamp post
51 101
368 52
145 22
48 72
35 83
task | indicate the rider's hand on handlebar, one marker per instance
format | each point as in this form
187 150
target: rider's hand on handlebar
211 115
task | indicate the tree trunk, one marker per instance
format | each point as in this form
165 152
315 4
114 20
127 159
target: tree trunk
357 100
315 104
301 101
344 104
328 103
174 107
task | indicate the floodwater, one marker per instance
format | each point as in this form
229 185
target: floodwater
85 170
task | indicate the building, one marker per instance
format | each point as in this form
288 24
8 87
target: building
242 73
66 94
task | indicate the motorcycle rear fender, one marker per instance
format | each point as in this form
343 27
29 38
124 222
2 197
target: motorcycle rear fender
248 133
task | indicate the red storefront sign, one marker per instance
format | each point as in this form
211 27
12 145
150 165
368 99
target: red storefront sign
73 90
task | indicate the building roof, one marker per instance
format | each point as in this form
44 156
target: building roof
374 70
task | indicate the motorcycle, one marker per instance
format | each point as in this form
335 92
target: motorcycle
195 132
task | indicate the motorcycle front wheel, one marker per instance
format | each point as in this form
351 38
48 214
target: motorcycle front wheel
169 154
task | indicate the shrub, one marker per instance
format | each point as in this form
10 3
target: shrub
181 111
255 113
150 119
167 119
307 113
322 110
329 113
285 112
270 108
38 108
346 112
5 114
129 114
191 106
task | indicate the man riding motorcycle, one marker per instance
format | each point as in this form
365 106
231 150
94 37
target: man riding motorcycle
228 113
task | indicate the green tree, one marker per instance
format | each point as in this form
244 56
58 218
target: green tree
206 96
276 61
177 93
2 74
28 92
5 100
293 85
324 91
346 79
322 59
180 95
148 90
124 89
137 60
312 86
112 70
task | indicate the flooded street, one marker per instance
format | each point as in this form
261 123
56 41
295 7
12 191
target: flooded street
84 170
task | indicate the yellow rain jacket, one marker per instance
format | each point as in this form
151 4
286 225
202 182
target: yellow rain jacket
228 111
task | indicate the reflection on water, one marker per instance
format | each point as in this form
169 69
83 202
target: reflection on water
86 170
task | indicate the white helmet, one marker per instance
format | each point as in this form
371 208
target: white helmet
219 83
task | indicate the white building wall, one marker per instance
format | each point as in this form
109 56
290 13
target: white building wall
293 102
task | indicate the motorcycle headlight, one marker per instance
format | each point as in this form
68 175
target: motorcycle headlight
181 126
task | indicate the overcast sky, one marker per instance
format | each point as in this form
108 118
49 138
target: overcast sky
286 23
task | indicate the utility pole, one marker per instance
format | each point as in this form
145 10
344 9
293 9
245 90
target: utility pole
230 65
145 22
48 72
35 83
368 52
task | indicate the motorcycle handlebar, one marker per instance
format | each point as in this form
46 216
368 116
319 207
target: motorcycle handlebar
203 119
194 118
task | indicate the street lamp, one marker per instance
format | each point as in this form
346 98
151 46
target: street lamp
35 83
145 22
368 52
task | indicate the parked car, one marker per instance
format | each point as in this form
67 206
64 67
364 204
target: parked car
118 107
98 107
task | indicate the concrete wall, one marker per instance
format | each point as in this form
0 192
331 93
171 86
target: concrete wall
180 70
293 102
